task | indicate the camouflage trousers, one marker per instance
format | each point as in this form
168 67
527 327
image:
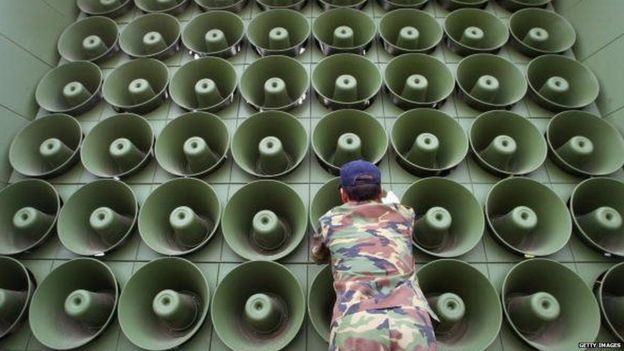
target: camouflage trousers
393 329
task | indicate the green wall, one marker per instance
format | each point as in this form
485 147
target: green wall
29 30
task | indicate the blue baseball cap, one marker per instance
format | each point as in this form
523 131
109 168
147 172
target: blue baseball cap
359 172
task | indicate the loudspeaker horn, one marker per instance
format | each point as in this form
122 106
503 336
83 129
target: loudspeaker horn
138 86
163 304
418 80
428 142
516 5
473 31
326 198
72 88
275 83
466 303
321 299
28 213
279 32
73 304
224 5
389 5
327 5
270 144
346 81
206 84
47 147
192 145
91 39
452 5
409 30
527 217
507 144
258 305
489 82
584 145
597 206
266 5
98 218
16 288
214 33
608 291
344 30
348 135
179 216
548 306
156 35
172 7
560 83
108 8
264 220
448 218
118 146
536 32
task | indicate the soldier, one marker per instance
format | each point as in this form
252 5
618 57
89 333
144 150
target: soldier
379 305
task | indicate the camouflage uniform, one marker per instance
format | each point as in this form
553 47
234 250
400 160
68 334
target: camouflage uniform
379 305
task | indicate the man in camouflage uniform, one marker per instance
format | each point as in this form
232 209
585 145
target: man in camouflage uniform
379 305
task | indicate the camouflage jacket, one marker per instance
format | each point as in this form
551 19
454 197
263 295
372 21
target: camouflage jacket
371 257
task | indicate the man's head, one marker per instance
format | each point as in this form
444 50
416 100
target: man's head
360 181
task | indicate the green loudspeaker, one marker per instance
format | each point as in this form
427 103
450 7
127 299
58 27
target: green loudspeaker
138 86
156 35
584 144
173 7
346 81
331 4
418 80
321 299
192 145
46 147
28 213
269 144
344 30
449 221
348 135
560 83
164 304
279 32
515 5
326 198
409 30
91 39
108 8
73 304
264 220
72 88
225 5
16 288
549 306
206 84
428 142
118 146
537 32
610 296
527 217
275 83
507 144
472 31
214 33
98 218
597 206
452 5
296 5
258 305
180 216
488 82
466 303
389 5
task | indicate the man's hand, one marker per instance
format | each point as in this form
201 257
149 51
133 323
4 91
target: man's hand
320 254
